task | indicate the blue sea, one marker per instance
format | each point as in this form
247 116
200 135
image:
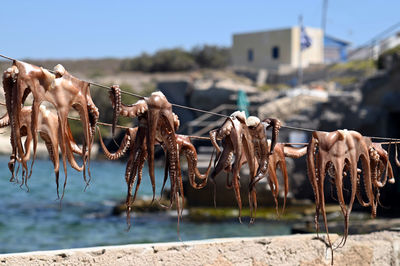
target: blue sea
36 220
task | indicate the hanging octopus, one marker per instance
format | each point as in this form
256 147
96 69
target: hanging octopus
381 169
237 142
341 149
50 132
262 150
269 156
157 124
276 159
60 89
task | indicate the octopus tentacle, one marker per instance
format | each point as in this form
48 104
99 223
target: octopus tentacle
173 158
224 160
115 96
396 156
276 125
153 117
384 163
134 110
338 166
293 152
248 148
311 169
34 123
72 147
166 167
194 171
190 152
274 184
142 160
368 183
5 120
358 193
282 166
235 170
322 165
374 162
93 115
133 167
9 85
10 88
125 144
84 115
52 148
16 106
213 138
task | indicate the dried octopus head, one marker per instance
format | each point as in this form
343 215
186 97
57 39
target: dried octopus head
59 70
253 121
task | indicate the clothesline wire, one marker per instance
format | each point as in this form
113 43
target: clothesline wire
200 110
298 128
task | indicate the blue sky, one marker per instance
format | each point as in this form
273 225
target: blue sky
93 29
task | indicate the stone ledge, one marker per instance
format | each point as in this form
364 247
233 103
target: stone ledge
381 248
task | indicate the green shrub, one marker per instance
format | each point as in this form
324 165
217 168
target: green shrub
177 59
278 86
144 62
211 56
394 53
172 60
344 81
356 65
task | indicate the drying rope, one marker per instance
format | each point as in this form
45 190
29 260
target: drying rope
6 57
99 123
198 110
372 137
298 128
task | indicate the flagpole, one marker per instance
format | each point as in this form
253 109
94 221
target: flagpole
300 69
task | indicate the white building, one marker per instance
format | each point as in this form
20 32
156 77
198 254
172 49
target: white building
277 50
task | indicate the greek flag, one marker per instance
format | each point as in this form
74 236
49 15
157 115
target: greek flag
305 40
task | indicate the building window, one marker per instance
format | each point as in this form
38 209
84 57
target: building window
275 52
250 55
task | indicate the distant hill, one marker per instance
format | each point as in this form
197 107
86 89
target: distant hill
86 67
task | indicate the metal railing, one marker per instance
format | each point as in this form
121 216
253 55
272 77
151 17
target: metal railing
206 124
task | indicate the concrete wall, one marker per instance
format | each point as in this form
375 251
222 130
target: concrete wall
288 41
262 43
381 248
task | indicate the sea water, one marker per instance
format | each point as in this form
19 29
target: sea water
36 220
